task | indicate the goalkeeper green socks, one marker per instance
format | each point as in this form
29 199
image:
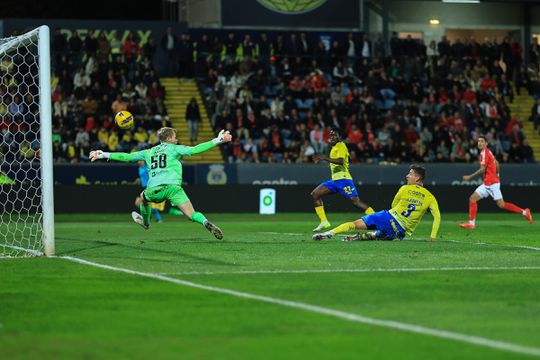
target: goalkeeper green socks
198 217
146 212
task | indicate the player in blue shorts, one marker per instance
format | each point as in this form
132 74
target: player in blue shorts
410 204
341 180
144 176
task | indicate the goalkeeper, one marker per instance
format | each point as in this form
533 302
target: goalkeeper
165 182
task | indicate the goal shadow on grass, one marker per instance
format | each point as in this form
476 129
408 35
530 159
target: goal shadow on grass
101 244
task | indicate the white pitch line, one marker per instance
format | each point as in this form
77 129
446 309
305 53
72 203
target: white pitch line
470 339
308 271
495 244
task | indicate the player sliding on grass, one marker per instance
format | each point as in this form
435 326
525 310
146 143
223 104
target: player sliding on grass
165 181
491 187
408 207
341 180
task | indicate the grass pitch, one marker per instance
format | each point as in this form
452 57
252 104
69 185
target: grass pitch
483 283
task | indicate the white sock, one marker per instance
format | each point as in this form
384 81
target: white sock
523 212
472 222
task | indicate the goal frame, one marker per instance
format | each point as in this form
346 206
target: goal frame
42 34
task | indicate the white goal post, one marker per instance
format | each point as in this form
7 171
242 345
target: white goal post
26 157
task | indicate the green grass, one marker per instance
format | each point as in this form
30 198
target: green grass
54 308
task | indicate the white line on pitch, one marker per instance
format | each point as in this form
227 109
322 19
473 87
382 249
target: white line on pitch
470 339
495 244
367 270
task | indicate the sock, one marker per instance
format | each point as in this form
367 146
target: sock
513 208
156 214
473 209
198 217
369 211
349 226
146 213
320 213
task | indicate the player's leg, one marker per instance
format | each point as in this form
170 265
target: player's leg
143 218
345 227
195 216
512 207
359 204
178 198
479 193
316 196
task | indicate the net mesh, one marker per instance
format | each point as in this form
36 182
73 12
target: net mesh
21 214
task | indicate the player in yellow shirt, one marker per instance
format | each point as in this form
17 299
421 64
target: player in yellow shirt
341 180
409 205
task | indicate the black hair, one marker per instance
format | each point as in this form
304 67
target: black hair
419 170
338 132
482 137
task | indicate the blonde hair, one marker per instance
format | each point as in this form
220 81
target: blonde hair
165 133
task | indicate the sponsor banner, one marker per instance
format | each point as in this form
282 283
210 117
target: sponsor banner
99 174
437 174
291 13
267 201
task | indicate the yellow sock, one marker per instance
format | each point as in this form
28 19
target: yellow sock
344 228
369 211
320 213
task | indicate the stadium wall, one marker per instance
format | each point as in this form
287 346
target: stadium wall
225 199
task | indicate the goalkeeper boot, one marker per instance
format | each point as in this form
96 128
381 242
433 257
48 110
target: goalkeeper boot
139 220
324 235
213 229
322 226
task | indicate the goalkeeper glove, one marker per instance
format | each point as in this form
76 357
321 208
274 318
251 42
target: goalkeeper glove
98 155
223 136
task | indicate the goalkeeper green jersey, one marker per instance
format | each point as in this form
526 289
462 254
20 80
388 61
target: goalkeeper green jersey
163 161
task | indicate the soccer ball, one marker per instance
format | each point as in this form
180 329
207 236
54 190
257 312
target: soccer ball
124 119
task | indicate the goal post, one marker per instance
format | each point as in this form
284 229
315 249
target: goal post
26 151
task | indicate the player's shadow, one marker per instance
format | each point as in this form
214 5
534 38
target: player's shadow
101 243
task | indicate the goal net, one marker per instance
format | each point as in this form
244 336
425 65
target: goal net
26 182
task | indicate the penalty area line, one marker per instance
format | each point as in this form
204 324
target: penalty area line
444 334
365 270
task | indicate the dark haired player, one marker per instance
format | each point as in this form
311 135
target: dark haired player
341 180
409 205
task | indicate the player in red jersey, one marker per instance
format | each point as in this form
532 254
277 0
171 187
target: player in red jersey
491 186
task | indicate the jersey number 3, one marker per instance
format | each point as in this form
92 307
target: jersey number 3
158 162
409 210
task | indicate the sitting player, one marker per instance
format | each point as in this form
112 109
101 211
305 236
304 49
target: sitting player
489 167
144 176
165 181
341 180
408 207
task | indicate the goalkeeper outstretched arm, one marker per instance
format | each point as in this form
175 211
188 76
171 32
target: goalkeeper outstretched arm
223 136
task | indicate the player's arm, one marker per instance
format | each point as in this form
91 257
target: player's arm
117 156
480 171
497 166
434 208
223 137
337 161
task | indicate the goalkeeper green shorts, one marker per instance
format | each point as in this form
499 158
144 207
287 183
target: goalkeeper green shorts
174 193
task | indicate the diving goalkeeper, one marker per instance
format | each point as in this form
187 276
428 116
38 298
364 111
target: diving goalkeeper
165 182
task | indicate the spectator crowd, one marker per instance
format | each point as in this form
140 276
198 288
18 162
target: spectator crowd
280 95
412 103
